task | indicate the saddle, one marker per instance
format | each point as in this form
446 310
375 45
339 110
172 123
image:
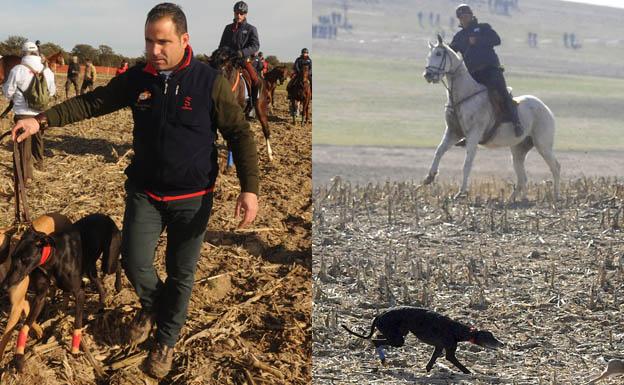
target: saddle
501 115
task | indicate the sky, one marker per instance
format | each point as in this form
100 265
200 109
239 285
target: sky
610 3
284 26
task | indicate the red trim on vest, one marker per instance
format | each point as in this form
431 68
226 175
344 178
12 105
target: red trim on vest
179 197
45 254
188 54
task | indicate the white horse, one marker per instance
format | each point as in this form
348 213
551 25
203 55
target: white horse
470 115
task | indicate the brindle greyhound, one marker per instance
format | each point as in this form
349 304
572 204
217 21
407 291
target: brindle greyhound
428 326
61 256
47 224
614 366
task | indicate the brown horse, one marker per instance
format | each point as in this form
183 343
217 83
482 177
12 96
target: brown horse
55 59
300 95
272 78
223 60
9 61
6 65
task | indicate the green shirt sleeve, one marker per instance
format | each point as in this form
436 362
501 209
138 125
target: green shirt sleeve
102 100
231 122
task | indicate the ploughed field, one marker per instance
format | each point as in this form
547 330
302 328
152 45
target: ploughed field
545 278
249 317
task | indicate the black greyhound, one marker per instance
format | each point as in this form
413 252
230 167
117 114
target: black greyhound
428 326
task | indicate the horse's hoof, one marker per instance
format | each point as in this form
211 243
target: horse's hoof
20 362
429 179
461 195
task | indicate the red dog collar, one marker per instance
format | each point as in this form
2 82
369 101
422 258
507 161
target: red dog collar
45 254
472 338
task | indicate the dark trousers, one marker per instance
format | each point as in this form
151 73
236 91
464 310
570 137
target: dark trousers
68 83
493 79
31 149
144 220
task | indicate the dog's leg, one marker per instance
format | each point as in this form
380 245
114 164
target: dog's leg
436 353
41 289
450 355
17 296
79 294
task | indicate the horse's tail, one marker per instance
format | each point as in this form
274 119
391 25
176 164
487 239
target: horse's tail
372 330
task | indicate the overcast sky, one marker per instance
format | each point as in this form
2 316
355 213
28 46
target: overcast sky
284 26
610 3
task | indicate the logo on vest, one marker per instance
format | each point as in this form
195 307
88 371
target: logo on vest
143 96
187 103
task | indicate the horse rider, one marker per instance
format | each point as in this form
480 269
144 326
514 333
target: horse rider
14 87
476 43
242 38
265 64
257 64
303 60
73 73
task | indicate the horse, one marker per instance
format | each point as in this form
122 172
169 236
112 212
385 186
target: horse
9 61
223 59
470 115
272 78
55 59
300 94
6 65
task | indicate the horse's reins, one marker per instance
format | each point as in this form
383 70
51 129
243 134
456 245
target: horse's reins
440 70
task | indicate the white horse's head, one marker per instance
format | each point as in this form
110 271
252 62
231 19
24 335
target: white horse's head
440 61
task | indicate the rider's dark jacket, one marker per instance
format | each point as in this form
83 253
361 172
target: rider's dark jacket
300 62
241 37
175 126
480 55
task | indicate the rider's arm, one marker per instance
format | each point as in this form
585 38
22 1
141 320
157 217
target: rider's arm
223 41
230 120
253 43
488 37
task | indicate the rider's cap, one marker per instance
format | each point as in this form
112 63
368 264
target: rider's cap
305 50
29 47
463 9
241 7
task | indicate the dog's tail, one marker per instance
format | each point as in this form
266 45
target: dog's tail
372 330
110 258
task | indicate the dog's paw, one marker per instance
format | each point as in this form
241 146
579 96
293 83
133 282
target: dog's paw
36 331
19 361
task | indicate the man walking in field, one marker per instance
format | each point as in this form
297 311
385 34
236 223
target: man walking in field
89 77
16 88
73 73
177 105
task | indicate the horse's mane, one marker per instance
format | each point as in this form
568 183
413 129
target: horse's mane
220 57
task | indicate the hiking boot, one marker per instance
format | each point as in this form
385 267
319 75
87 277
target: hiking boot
141 326
159 360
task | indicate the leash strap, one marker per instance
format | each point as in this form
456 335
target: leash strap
19 185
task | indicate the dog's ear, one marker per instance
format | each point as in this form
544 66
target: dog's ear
440 40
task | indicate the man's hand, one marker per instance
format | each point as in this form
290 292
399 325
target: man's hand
472 40
248 202
24 128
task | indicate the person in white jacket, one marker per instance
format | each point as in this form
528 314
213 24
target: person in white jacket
19 79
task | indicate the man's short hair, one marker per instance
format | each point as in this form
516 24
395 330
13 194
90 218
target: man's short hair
172 11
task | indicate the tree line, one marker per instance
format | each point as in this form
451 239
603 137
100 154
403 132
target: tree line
103 55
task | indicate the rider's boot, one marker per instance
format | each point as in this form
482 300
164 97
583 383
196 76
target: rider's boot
515 119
